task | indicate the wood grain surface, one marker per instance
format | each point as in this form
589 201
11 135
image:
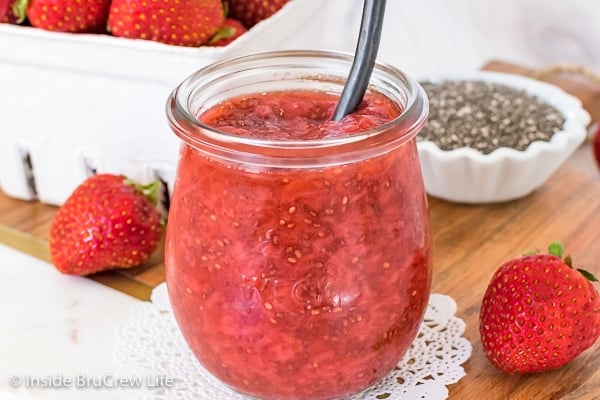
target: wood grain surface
470 242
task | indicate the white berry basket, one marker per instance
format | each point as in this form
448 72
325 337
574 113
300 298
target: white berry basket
77 103
465 175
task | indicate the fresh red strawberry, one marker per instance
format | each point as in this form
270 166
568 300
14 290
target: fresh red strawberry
538 313
107 222
176 22
7 14
596 143
227 33
250 12
66 15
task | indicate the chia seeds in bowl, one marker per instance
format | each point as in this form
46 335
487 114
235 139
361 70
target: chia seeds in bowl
486 116
495 137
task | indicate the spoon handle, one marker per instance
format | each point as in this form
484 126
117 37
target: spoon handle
364 58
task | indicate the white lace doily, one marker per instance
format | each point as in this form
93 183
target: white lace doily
150 346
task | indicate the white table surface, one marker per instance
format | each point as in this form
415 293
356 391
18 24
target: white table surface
52 325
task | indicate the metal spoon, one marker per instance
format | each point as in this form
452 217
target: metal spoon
364 58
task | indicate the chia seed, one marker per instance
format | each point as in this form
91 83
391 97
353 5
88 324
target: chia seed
486 116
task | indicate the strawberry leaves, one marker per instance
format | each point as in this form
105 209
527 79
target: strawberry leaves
588 275
556 249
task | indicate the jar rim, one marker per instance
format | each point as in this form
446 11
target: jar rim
194 132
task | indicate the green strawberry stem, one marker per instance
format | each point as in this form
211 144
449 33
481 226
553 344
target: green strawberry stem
557 249
224 32
150 190
588 275
225 9
19 8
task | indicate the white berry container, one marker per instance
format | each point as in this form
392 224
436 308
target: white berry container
465 175
73 104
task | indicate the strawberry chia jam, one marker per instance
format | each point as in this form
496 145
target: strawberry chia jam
298 249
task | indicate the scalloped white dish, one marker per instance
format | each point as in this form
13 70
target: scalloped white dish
465 175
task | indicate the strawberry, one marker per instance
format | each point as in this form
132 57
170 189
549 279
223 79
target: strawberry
538 313
251 12
88 16
227 33
176 22
107 222
7 13
596 144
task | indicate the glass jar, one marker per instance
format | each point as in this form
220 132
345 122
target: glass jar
297 268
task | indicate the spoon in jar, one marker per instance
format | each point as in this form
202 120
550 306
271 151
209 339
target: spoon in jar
364 58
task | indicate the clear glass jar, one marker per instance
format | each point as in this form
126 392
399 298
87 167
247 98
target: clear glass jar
297 268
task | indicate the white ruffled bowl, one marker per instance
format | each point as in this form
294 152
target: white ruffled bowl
465 175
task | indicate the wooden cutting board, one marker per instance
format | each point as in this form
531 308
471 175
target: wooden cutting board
470 242
25 226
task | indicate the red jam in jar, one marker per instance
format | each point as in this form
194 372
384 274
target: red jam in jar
298 249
